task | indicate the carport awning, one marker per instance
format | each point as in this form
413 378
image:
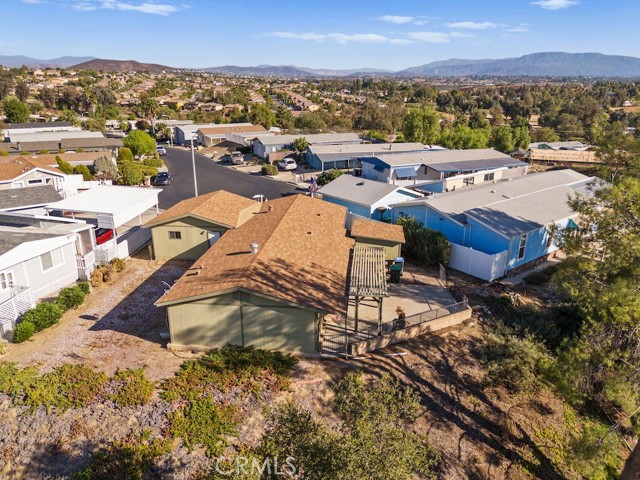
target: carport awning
406 172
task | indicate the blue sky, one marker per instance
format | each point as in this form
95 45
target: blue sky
317 33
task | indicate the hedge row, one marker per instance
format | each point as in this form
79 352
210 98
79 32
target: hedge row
46 314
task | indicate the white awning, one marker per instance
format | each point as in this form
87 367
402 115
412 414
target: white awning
113 205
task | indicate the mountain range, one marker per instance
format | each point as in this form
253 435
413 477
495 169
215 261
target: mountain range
545 64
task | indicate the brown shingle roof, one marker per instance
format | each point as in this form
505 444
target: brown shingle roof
12 167
303 257
377 231
221 207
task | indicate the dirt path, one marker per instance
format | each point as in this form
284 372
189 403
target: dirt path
118 326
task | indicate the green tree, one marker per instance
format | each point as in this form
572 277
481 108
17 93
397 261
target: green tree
310 123
7 81
125 155
105 168
300 144
262 115
140 143
16 111
424 245
544 134
22 90
84 171
463 137
66 167
521 137
502 139
421 125
130 173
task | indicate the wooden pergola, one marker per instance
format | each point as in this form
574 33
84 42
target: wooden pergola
368 279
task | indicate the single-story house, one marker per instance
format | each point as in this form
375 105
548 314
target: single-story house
60 140
214 135
433 170
497 228
268 283
379 234
189 228
37 127
183 133
38 256
264 145
326 157
365 198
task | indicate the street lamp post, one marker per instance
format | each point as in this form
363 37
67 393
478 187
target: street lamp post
193 162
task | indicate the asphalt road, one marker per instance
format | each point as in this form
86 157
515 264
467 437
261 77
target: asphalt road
214 177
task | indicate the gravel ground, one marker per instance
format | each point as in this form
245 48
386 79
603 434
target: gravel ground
117 327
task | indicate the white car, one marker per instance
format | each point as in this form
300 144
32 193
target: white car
161 150
287 164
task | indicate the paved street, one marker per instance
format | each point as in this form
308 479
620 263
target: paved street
214 177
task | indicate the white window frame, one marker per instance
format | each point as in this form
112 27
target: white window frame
17 184
522 246
36 181
54 265
175 235
6 280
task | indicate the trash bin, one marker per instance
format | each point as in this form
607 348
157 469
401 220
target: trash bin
395 271
400 261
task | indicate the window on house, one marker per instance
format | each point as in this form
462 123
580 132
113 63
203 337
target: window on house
488 177
38 181
523 246
6 280
469 180
51 259
175 235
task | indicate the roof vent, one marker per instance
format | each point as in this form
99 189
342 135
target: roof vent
254 248
360 183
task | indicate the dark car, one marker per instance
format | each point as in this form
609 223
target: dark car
163 178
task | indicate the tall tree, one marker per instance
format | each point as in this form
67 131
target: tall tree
421 125
16 111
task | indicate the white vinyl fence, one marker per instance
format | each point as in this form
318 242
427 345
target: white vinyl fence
477 263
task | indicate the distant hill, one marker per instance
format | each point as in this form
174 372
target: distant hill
546 64
121 66
16 61
292 71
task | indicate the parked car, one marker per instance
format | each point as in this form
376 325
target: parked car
161 150
103 235
163 178
287 164
237 158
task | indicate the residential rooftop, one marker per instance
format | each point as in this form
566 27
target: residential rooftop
220 207
359 190
452 160
302 257
377 231
327 138
28 197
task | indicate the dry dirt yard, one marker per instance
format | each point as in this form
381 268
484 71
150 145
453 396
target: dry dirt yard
118 326
480 432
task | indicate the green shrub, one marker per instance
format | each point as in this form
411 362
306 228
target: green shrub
70 298
424 245
79 385
23 331
3 153
125 155
269 170
328 176
153 162
204 422
43 315
536 278
132 388
85 287
131 458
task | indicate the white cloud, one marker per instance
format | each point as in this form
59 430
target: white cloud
84 7
146 7
32 2
555 4
472 25
401 41
430 37
397 19
337 37
519 29
460 35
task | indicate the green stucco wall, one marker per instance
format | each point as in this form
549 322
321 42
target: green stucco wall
242 318
191 246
